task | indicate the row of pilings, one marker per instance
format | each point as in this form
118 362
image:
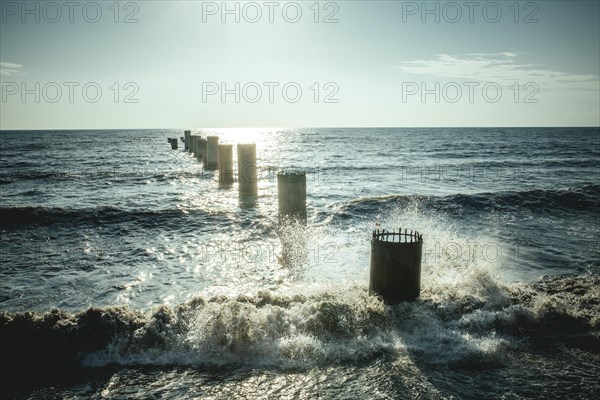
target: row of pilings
291 185
395 266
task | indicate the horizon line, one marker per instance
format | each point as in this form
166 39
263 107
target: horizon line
308 127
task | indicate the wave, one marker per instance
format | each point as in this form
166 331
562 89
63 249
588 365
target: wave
133 176
581 198
18 216
474 321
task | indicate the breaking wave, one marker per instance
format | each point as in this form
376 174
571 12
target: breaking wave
472 321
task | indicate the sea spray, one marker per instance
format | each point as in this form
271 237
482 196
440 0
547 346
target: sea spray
279 330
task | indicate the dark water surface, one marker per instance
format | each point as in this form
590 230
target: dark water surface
128 272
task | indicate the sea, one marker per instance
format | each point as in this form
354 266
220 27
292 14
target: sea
127 271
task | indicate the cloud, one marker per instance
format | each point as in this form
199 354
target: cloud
502 68
10 69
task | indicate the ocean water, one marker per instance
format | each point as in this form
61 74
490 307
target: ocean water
127 271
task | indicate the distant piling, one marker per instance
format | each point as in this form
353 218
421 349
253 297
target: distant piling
173 142
197 149
395 269
191 147
225 161
203 151
291 193
186 135
247 177
194 144
212 152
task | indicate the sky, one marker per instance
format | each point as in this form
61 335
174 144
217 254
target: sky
202 64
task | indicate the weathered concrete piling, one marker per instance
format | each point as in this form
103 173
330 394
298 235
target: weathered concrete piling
186 135
291 193
203 151
191 146
247 178
197 148
225 160
195 145
395 270
212 152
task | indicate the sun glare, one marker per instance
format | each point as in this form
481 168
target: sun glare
243 135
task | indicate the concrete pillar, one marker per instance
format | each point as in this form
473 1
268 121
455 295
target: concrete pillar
197 151
225 160
203 150
173 143
291 196
212 152
191 147
395 270
247 178
186 135
194 144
